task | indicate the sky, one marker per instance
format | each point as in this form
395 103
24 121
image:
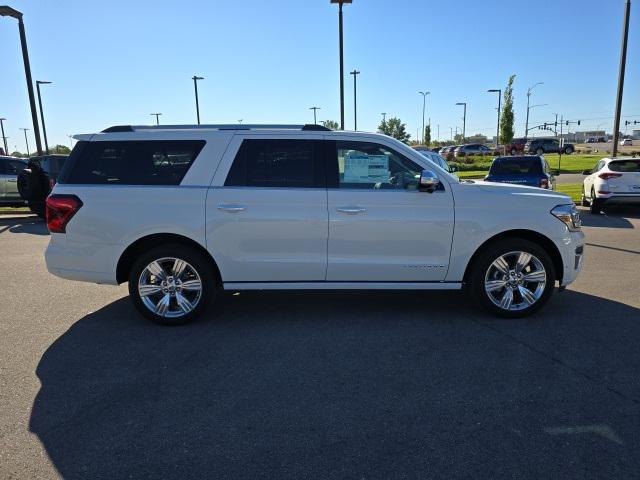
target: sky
269 61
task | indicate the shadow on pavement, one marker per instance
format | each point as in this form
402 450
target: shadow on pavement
613 217
348 385
23 224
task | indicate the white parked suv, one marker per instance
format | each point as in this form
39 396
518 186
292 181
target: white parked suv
181 212
612 181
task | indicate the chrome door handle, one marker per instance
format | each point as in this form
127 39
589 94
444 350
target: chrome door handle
232 208
13 180
351 210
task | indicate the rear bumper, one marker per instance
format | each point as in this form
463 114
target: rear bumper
620 198
82 262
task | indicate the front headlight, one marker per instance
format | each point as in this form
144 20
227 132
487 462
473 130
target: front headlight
569 215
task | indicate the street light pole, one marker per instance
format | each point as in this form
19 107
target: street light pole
499 92
424 104
526 126
44 129
464 121
623 61
195 86
384 116
157 115
340 34
26 141
4 139
355 74
315 122
10 12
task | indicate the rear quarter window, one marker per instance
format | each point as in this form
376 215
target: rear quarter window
148 162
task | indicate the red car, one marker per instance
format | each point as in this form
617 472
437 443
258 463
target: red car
516 146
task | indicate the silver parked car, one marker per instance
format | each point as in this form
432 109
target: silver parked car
9 169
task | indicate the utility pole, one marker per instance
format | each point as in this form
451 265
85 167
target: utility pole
26 141
4 139
464 121
44 129
526 128
384 116
157 115
341 41
424 103
195 86
314 114
10 12
355 74
623 61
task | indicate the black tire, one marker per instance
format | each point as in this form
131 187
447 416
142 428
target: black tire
38 207
30 185
539 151
583 199
513 151
595 206
475 282
197 260
568 150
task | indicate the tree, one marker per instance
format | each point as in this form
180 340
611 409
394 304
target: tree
427 135
394 128
332 124
507 118
60 149
18 154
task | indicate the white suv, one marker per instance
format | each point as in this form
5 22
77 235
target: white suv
612 181
181 212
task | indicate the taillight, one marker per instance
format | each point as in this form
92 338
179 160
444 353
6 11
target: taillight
61 209
608 175
52 183
544 183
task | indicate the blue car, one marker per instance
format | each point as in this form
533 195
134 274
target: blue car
530 170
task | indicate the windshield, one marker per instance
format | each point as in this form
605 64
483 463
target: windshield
625 166
516 165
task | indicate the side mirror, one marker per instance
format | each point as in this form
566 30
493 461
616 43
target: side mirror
429 182
586 172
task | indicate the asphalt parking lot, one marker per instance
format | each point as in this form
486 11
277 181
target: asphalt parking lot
321 385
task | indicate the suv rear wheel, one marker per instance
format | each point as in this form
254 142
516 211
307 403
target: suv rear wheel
172 284
539 151
512 278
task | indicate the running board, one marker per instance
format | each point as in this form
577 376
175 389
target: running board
342 285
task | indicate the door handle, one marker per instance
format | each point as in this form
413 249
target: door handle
232 208
13 180
352 210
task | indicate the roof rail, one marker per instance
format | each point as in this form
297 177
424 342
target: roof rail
133 128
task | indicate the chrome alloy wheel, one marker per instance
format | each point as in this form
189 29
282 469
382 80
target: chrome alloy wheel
170 287
515 281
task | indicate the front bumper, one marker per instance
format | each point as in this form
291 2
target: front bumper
571 247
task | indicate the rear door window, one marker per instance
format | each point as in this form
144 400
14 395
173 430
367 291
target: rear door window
516 166
278 163
148 162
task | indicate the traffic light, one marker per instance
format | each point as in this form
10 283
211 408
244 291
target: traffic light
567 123
578 122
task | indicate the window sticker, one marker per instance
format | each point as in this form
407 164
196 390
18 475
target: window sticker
362 168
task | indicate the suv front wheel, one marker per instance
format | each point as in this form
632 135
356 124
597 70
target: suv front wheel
512 278
172 284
